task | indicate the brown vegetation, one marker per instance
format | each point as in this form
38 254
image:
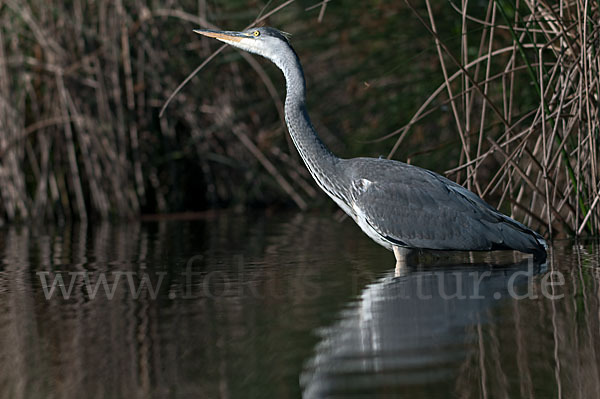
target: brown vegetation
525 98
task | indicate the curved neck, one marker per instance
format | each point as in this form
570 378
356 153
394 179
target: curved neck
317 157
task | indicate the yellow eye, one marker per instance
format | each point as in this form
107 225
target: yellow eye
256 33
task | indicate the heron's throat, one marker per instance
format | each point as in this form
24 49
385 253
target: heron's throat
317 157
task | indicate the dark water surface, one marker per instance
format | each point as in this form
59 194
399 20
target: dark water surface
285 306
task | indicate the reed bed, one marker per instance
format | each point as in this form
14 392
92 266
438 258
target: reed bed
523 89
82 83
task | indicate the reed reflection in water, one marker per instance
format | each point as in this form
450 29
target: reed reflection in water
282 306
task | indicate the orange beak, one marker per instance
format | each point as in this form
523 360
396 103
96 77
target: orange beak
222 35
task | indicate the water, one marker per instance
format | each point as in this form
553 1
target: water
285 306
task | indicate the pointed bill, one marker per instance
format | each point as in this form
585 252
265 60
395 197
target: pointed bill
225 36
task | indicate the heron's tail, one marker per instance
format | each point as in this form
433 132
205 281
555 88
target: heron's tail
521 238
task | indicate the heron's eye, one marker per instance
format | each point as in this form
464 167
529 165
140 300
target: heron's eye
256 33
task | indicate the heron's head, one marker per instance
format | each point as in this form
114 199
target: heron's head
265 41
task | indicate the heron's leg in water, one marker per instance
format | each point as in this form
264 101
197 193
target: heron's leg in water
401 255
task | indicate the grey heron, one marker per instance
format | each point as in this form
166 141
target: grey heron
400 206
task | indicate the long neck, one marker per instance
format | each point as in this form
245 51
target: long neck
317 157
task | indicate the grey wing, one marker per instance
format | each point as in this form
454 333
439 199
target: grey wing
414 207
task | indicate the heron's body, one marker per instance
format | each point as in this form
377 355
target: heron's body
399 206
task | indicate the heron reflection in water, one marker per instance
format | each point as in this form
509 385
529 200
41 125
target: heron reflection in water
400 206
419 335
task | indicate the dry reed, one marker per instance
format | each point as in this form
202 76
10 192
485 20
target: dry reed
525 97
81 84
